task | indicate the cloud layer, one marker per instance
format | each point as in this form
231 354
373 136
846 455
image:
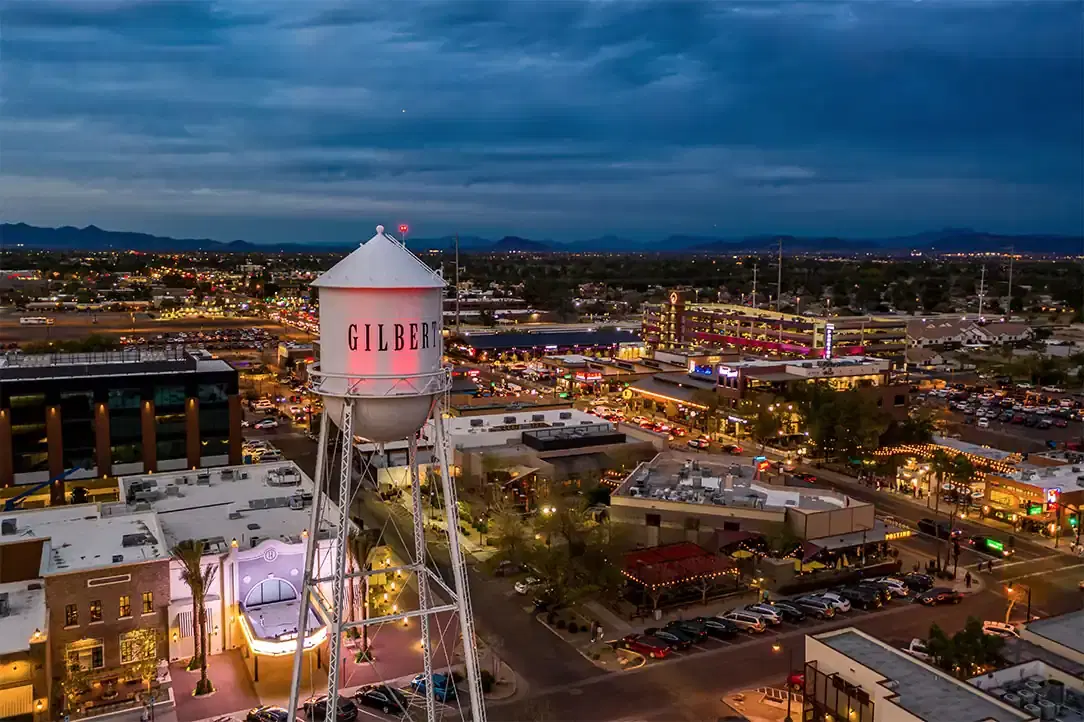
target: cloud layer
294 121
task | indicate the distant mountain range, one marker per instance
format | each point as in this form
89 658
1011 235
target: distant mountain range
949 240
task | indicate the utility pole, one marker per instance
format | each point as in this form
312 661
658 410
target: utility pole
456 284
779 281
1008 302
753 303
982 291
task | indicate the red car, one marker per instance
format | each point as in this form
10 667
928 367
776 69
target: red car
645 645
939 595
732 449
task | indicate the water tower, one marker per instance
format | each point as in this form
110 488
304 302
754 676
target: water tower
382 377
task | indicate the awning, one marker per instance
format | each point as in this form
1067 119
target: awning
810 550
725 538
673 564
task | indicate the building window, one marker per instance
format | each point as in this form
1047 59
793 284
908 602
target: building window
96 610
125 609
85 655
653 519
148 602
270 591
71 616
137 645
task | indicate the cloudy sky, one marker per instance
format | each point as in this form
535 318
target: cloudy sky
306 120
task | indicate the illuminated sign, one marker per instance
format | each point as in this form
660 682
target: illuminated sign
829 339
995 545
700 370
673 297
392 336
1052 496
727 372
588 376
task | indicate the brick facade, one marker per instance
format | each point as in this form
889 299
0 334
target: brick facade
65 589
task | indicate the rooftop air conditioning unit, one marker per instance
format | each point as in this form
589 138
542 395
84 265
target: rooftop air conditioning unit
509 419
8 526
538 417
118 558
477 422
557 423
565 415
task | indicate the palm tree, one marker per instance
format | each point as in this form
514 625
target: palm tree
942 465
198 578
362 545
960 472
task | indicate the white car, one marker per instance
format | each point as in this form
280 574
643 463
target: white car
984 423
524 586
266 424
917 649
899 588
745 620
766 612
838 603
1000 629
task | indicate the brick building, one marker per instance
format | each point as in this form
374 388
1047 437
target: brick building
105 581
113 413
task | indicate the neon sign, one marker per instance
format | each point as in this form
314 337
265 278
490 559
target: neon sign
829 339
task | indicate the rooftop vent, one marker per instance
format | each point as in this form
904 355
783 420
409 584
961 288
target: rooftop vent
234 515
118 558
477 422
33 586
8 527
5 607
253 526
538 417
565 415
136 540
509 419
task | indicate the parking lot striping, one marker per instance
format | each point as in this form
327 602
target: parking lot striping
1039 574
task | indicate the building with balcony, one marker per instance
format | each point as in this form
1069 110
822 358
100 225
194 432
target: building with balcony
852 676
252 520
105 584
113 413
679 324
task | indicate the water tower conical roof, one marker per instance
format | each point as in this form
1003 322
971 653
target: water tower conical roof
380 262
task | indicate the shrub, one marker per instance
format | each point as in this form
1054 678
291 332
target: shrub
353 633
596 656
488 680
363 656
551 617
573 627
560 624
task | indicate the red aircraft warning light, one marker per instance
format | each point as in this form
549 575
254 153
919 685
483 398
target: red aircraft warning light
403 228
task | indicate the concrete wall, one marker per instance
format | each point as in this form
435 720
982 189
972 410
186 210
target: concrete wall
830 522
688 522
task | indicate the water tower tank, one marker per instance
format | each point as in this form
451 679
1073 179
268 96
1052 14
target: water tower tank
381 318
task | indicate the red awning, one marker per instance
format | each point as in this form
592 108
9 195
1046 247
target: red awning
724 538
673 563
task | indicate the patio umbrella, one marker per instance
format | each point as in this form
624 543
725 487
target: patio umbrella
741 554
814 565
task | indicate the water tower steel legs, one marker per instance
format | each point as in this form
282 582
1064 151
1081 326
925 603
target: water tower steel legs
338 585
310 556
459 567
421 577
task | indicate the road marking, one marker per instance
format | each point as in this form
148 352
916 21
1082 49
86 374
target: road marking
1039 574
1004 565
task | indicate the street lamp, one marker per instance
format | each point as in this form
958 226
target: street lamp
1009 588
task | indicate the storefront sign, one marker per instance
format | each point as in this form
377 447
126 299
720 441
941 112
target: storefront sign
829 339
588 376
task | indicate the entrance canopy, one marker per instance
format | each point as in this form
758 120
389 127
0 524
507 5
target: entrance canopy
673 564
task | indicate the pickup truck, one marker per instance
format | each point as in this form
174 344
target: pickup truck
917 649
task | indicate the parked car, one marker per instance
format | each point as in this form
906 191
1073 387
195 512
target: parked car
1000 629
316 710
767 612
674 637
918 582
983 423
524 586
939 595
648 646
698 443
266 424
790 612
899 588
883 590
815 607
732 449
745 621
382 697
443 686
840 603
507 569
859 597
696 630
807 478
267 714
718 627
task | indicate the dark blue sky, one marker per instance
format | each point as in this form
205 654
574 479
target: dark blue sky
305 120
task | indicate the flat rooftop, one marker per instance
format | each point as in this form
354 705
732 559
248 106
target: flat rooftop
26 613
81 537
1067 478
1064 629
921 690
670 477
976 450
466 432
127 362
249 503
1035 680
